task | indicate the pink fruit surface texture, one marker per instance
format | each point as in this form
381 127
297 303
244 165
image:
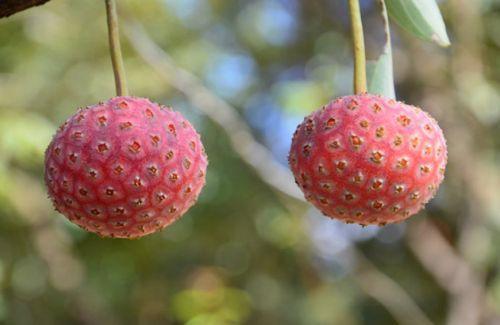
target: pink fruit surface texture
367 159
125 168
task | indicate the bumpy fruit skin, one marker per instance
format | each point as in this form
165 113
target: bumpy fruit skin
367 159
125 168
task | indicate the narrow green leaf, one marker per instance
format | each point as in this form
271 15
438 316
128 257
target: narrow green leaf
380 72
421 18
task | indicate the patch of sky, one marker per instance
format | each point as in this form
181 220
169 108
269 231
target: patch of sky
276 21
193 13
340 9
230 73
265 115
332 241
221 35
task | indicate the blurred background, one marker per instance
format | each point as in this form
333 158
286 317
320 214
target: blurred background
250 252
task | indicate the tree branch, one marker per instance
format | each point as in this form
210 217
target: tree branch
217 110
388 292
450 270
10 7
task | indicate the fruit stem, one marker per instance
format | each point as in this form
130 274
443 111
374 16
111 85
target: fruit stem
115 48
359 47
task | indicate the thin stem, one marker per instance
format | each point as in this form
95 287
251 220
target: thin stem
115 48
359 47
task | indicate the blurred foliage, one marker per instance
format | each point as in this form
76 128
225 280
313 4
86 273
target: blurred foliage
244 253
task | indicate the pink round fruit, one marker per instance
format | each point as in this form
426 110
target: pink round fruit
367 159
125 168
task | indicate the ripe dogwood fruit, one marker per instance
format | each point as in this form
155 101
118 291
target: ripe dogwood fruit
125 168
367 159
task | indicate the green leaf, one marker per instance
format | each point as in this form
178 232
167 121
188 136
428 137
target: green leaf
380 72
420 17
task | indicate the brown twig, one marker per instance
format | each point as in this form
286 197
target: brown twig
10 7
